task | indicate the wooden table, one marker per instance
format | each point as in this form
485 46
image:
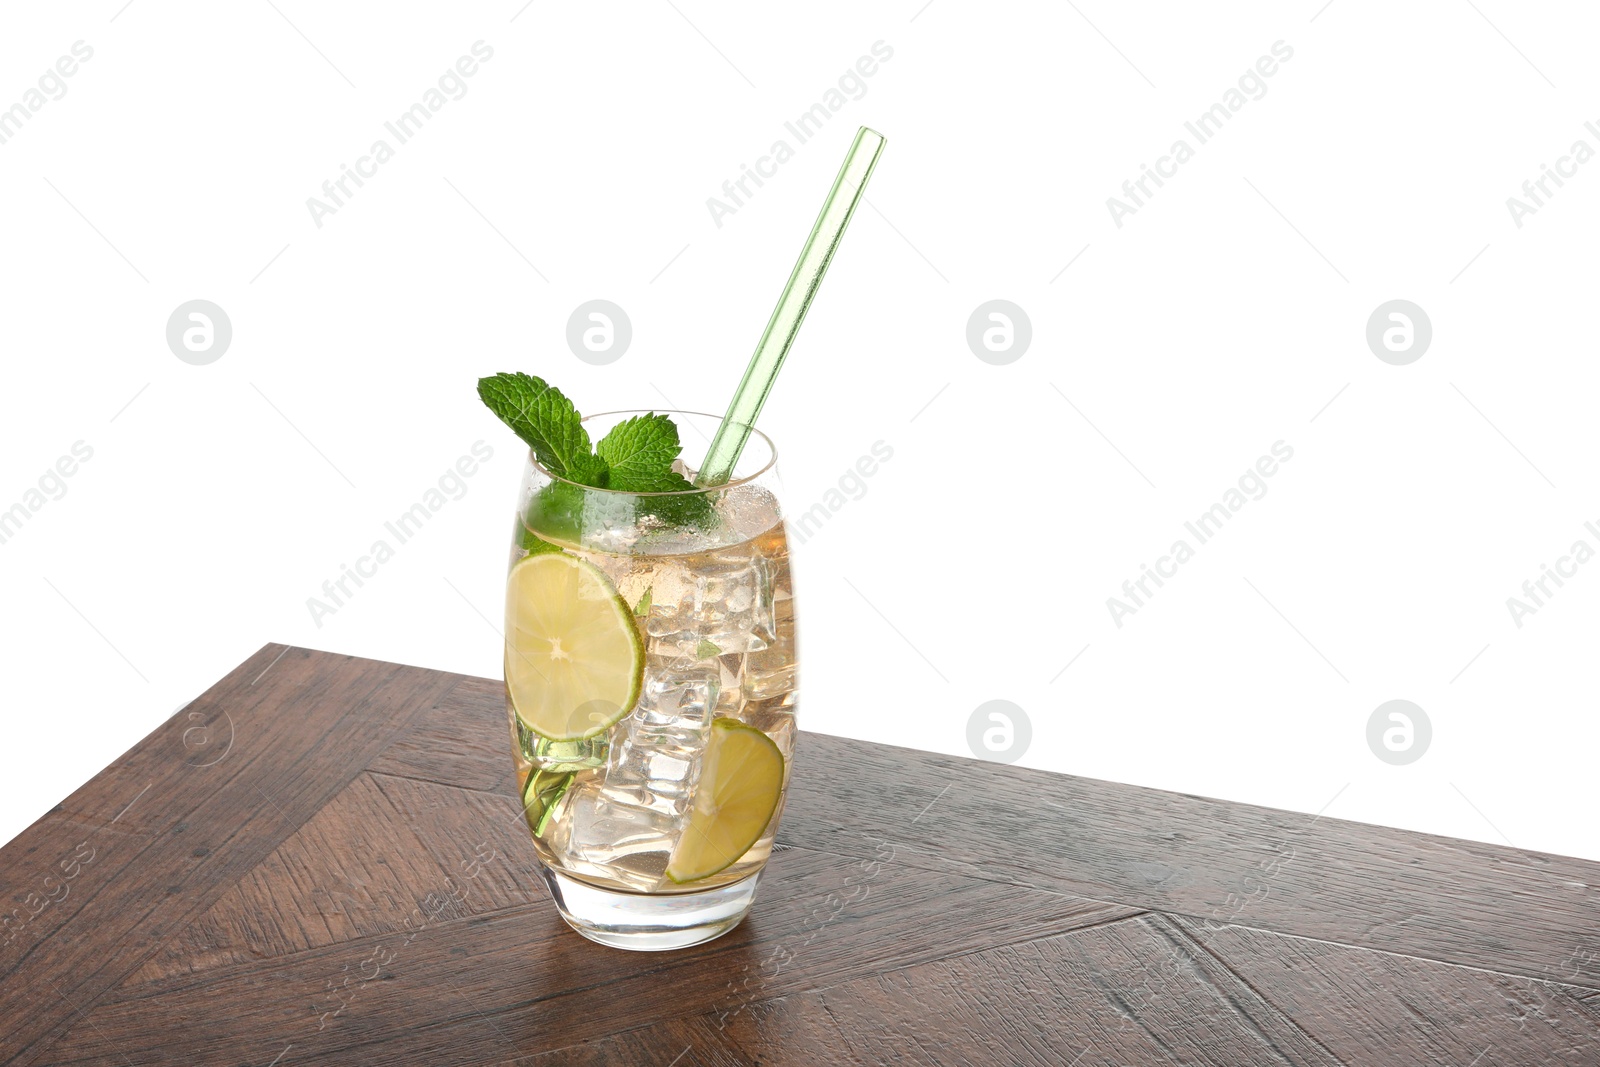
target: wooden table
321 861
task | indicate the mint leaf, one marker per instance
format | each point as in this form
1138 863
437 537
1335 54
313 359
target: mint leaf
533 544
642 608
688 509
640 452
557 509
705 650
542 416
667 481
590 470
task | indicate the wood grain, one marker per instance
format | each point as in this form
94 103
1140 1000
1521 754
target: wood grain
521 973
463 741
190 829
1137 991
1371 1006
1134 991
321 861
1417 894
693 1042
349 872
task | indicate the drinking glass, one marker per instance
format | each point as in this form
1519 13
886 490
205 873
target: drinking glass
649 809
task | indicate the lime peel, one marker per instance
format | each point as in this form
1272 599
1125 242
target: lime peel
574 656
741 782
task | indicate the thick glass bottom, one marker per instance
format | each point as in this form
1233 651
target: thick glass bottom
645 922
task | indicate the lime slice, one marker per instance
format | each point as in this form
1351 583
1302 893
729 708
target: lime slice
574 658
544 790
740 784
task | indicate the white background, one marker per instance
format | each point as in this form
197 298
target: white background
1222 317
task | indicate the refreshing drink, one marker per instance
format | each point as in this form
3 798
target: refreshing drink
651 690
650 646
717 628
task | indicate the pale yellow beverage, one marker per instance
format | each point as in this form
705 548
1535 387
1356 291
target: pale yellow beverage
653 797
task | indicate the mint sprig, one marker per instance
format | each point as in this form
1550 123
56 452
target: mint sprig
543 417
636 456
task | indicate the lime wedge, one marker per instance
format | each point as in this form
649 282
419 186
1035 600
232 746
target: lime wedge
740 784
574 658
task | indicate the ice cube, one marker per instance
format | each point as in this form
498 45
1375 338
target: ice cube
612 837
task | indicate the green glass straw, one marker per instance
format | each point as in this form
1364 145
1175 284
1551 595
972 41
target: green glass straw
791 310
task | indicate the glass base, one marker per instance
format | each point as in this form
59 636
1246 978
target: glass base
646 922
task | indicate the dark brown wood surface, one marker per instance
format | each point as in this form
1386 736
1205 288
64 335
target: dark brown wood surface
321 860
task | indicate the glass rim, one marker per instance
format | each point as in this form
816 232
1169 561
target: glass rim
772 458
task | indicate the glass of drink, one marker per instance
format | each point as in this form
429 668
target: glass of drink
650 646
650 684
